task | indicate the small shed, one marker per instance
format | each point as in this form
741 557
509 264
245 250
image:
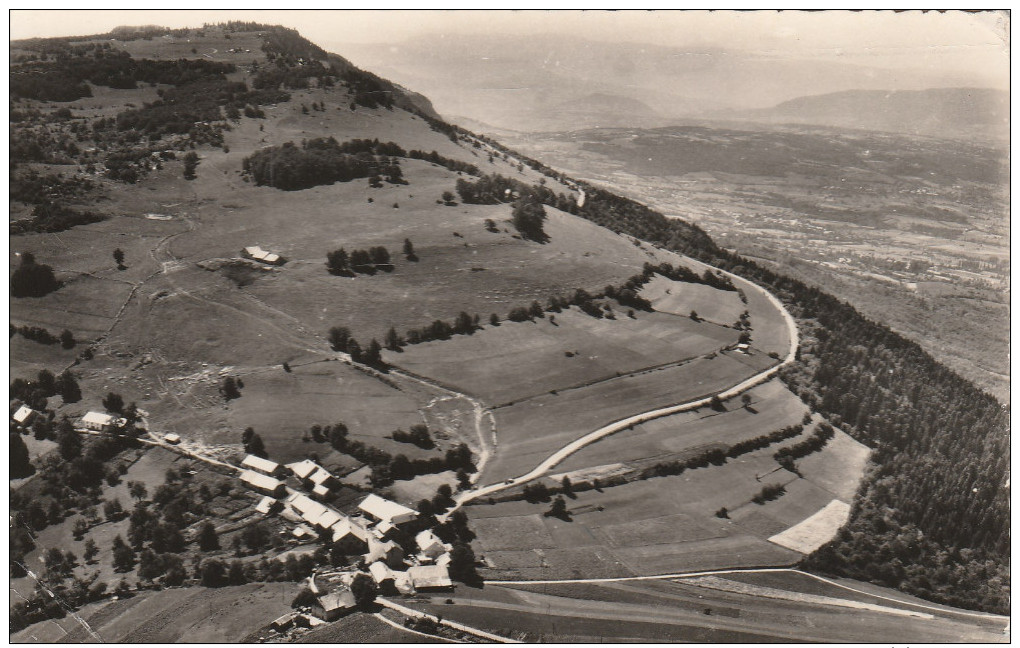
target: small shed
24 415
172 438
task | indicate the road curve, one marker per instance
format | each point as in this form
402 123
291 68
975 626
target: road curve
622 424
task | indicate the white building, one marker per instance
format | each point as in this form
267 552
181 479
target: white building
430 577
430 545
263 483
24 415
384 510
302 469
264 466
98 421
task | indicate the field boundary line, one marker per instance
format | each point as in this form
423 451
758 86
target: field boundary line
381 617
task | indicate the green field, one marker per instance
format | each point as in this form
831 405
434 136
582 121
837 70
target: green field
711 304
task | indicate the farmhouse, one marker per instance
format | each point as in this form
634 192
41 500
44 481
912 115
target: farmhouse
380 573
263 483
389 552
430 577
328 519
264 466
430 546
257 253
384 510
334 605
24 415
352 538
303 469
99 422
309 510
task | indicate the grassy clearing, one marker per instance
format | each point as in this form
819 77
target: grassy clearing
360 628
815 530
772 407
516 360
719 306
532 430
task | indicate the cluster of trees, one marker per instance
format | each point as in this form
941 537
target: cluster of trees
768 493
42 336
231 387
812 444
31 187
464 324
340 340
54 217
451 164
340 263
34 393
528 217
253 443
315 162
31 279
418 435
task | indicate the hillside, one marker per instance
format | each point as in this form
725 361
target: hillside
935 112
239 244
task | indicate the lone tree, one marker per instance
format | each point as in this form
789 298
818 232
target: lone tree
449 199
717 404
190 164
363 589
114 403
694 316
409 250
123 555
21 466
207 538
118 257
338 262
745 400
558 509
67 340
529 218
229 388
91 551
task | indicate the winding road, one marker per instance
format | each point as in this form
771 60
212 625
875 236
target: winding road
630 421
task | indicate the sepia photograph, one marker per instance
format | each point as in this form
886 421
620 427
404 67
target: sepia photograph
509 326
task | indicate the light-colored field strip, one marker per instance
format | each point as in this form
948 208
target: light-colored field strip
723 585
810 534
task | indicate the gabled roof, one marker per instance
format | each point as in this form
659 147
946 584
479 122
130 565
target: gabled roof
258 480
320 490
337 600
380 572
328 519
384 509
429 576
265 505
320 475
426 540
309 509
381 550
260 464
346 527
303 468
270 257
255 250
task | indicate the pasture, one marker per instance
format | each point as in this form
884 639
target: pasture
772 407
663 524
531 430
515 360
677 298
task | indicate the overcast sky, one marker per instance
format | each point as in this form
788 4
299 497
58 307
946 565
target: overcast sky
957 40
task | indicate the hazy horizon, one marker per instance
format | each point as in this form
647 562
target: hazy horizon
952 42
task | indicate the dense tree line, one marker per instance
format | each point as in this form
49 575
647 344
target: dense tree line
453 165
53 217
34 188
418 435
64 79
941 444
385 467
369 261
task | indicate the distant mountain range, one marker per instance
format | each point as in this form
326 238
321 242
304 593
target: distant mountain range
938 112
567 82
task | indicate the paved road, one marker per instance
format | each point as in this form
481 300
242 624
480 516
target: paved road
636 419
